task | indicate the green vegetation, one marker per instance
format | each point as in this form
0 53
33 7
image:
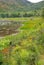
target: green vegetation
23 14
21 32
27 47
13 6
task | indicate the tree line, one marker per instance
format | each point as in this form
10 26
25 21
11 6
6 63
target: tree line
15 15
25 14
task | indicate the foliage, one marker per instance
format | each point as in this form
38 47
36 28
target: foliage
26 47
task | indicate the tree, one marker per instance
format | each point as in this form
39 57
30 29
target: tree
25 15
43 12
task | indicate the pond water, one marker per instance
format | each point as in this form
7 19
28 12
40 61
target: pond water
9 27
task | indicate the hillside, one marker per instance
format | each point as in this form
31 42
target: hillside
19 5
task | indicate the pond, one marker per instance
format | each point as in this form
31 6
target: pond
9 27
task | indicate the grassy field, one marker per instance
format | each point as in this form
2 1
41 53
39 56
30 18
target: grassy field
26 47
